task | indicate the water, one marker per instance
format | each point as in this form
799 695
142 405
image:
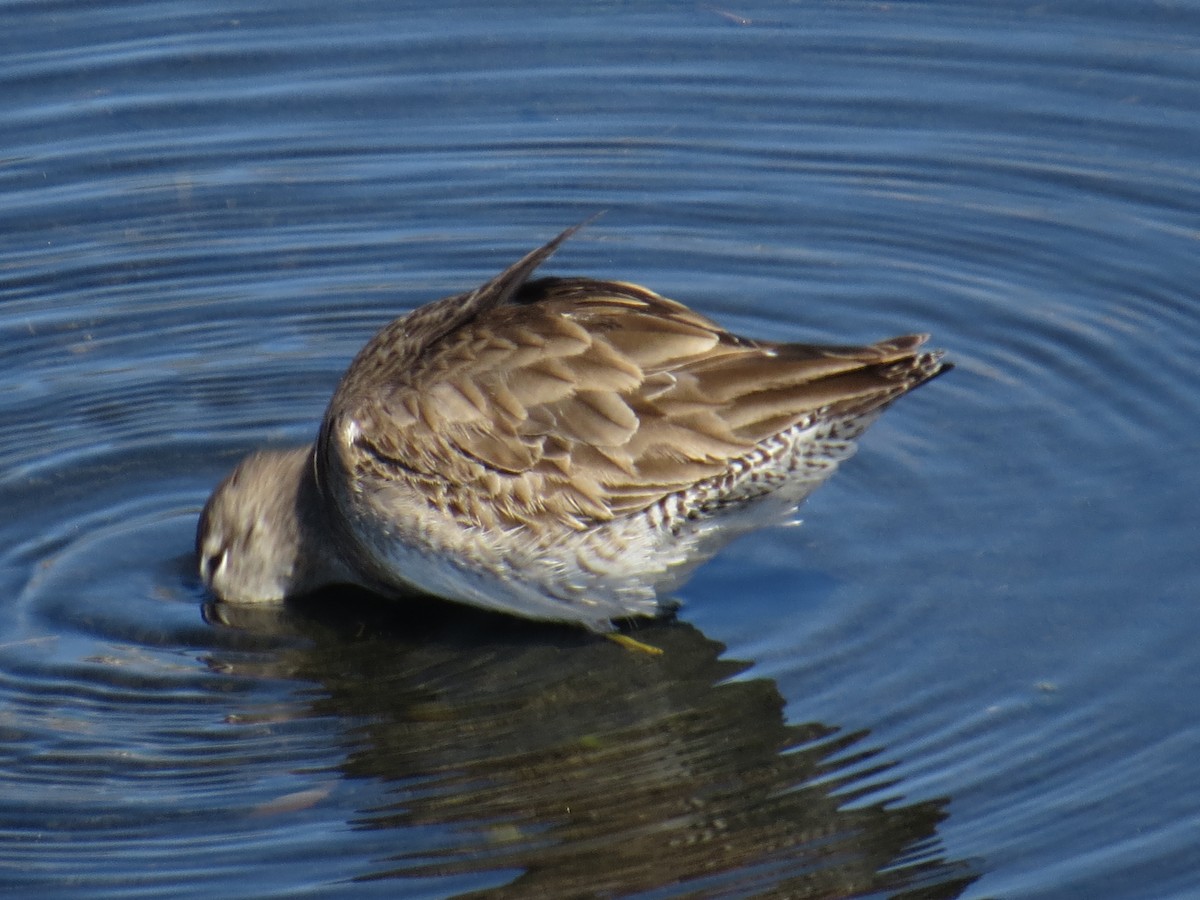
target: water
972 673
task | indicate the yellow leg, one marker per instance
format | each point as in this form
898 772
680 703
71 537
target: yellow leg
632 643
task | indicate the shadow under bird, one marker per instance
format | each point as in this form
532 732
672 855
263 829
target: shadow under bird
562 449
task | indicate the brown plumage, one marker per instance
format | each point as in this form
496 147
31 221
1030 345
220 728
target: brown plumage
566 448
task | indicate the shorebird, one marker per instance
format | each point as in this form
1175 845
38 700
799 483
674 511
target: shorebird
563 449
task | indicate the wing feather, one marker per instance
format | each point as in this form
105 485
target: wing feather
575 401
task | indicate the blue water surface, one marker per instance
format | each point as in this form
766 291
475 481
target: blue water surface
973 672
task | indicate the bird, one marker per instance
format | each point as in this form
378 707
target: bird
563 449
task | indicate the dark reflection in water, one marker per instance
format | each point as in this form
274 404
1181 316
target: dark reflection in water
569 766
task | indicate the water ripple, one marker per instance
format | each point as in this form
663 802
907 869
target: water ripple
973 662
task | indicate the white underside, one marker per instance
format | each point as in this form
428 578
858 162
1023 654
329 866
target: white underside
619 569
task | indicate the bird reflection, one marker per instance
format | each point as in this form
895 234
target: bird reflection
569 766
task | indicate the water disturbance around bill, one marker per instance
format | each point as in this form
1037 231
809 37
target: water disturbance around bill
972 672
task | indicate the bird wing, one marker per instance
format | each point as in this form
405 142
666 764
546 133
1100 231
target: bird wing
576 401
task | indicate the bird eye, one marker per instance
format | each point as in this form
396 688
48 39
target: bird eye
211 565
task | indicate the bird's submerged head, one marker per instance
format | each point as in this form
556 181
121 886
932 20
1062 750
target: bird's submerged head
255 542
